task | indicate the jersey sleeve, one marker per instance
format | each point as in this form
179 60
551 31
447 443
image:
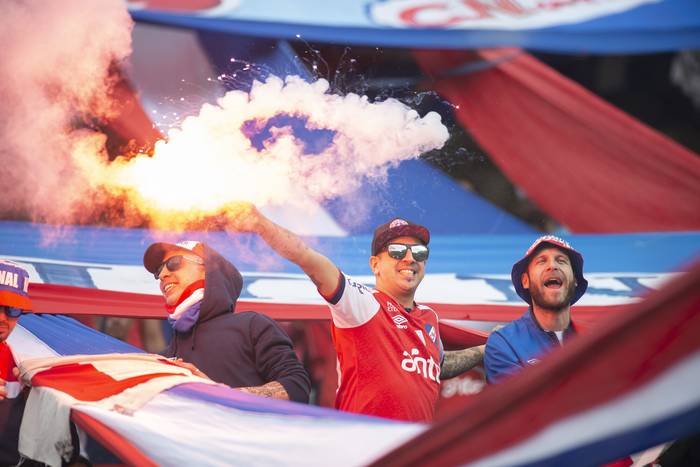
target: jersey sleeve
352 304
500 359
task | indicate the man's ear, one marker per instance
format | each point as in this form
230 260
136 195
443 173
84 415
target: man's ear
374 264
525 280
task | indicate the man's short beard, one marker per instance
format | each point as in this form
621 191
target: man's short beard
539 300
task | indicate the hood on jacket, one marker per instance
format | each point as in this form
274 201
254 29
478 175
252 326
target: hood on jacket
223 285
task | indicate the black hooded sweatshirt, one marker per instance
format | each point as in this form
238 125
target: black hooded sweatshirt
239 349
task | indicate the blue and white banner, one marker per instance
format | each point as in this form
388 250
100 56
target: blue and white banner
604 289
602 26
462 269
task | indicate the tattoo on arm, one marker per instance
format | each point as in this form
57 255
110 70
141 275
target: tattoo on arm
458 361
273 390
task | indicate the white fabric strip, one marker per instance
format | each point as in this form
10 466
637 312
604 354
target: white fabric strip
44 435
118 365
196 296
25 345
230 436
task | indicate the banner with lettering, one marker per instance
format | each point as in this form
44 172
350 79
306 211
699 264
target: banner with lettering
598 26
464 272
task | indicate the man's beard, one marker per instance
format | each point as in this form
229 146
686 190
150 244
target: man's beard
538 298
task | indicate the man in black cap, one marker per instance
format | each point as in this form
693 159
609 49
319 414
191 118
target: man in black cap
244 350
390 356
550 279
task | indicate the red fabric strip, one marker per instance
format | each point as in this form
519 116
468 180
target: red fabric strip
586 163
455 336
64 299
111 440
84 382
186 294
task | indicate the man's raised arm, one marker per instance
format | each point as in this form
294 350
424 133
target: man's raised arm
321 270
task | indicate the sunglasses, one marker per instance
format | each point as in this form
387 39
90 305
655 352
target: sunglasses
11 311
399 250
174 263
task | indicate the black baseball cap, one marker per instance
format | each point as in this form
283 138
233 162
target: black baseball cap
395 228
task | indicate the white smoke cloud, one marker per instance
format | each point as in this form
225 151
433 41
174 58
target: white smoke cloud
210 161
54 68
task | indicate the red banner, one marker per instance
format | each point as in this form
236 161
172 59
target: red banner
583 161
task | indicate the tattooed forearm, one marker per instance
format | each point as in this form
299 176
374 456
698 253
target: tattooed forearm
273 390
458 361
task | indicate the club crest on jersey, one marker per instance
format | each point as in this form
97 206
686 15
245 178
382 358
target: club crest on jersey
390 307
432 333
400 321
414 363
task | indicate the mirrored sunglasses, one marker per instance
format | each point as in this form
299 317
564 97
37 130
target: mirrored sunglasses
399 250
11 311
174 263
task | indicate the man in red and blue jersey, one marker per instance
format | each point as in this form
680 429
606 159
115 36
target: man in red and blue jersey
390 356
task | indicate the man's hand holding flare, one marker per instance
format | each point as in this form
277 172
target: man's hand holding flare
242 217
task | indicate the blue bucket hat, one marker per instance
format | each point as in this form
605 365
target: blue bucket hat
549 240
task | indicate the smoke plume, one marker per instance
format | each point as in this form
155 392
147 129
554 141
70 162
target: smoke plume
54 73
285 142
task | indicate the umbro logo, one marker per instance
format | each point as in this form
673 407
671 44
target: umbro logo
400 321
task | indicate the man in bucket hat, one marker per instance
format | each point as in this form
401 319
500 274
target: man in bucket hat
550 279
390 356
14 300
243 349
